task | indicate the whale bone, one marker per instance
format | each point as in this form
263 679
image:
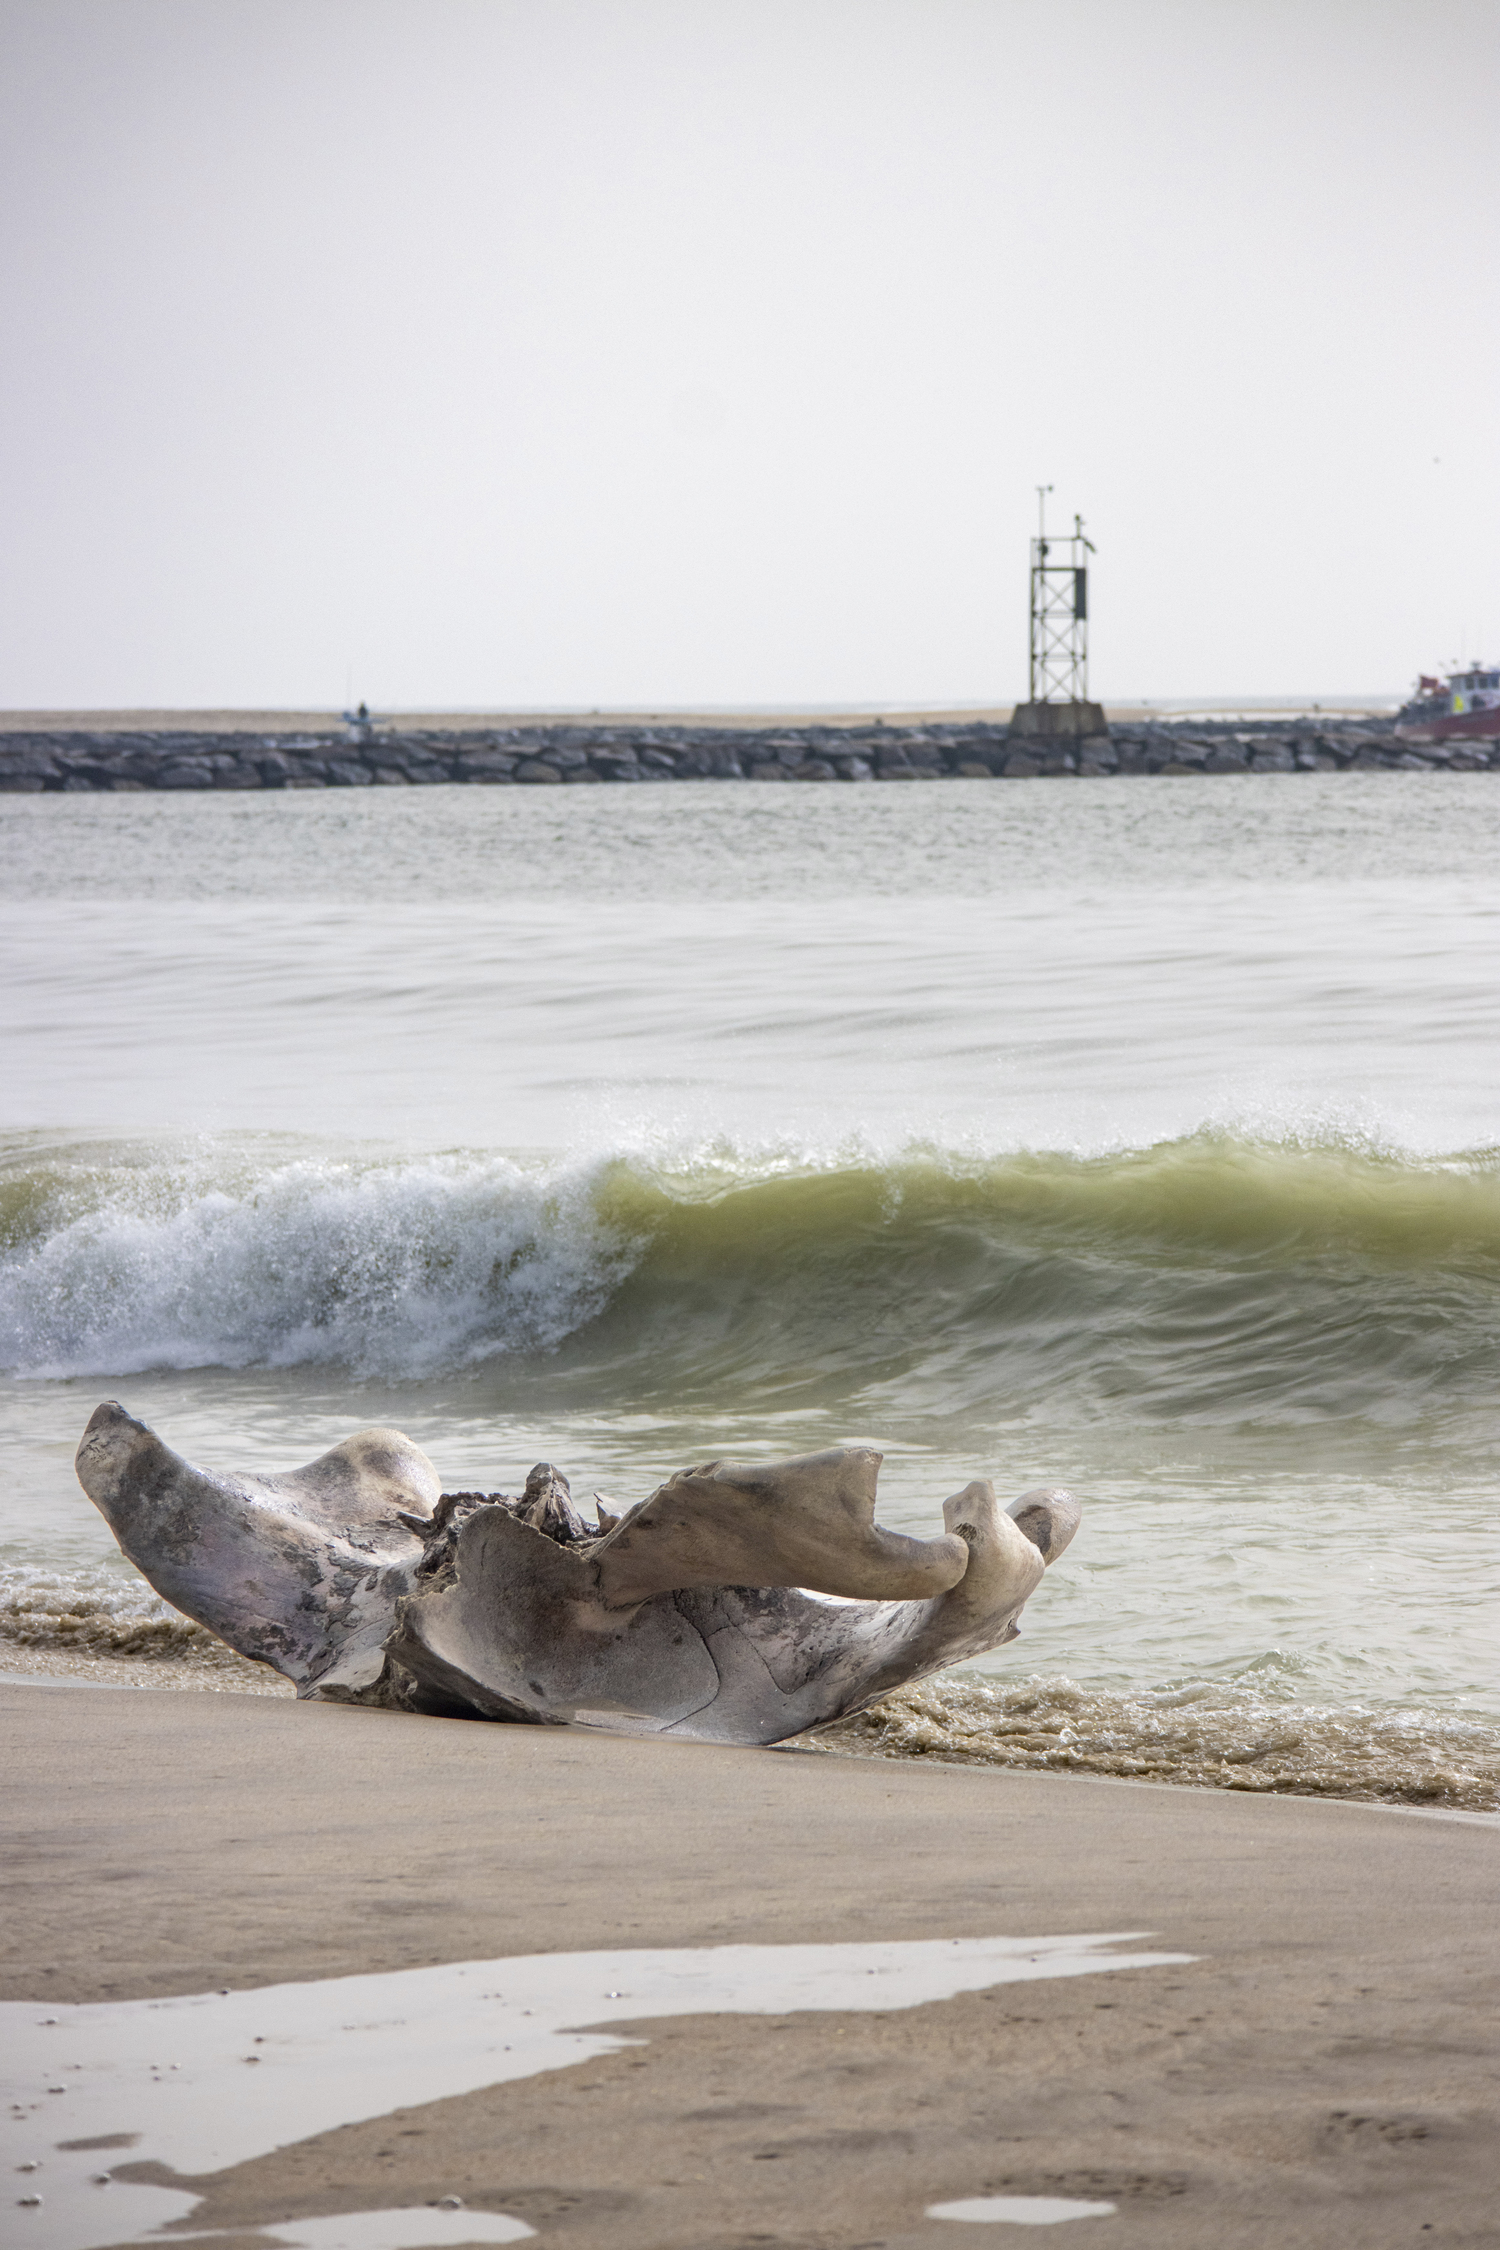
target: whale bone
808 1522
737 1604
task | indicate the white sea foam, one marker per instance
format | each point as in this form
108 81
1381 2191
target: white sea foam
409 1265
101 1620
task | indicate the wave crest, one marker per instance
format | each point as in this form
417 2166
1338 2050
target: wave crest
1208 1278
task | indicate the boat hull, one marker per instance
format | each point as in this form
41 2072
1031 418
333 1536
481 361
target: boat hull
1460 725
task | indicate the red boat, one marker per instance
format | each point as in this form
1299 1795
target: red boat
1466 703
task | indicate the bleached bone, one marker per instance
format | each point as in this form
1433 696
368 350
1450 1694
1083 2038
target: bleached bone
692 1616
518 1626
301 1571
809 1522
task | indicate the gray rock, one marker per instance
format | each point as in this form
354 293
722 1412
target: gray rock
534 769
715 761
487 765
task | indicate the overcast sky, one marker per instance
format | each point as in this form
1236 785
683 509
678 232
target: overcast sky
501 353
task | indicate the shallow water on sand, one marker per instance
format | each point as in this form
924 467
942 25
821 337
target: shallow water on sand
1139 1136
164 2081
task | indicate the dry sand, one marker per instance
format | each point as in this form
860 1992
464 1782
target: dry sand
1326 2073
319 722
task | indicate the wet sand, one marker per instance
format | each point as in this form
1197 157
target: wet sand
1325 2073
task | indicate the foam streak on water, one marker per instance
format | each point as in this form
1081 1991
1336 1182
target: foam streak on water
1203 1738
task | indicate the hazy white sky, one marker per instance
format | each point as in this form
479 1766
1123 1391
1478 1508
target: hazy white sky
527 352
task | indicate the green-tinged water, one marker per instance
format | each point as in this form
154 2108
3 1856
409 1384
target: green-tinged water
1139 1139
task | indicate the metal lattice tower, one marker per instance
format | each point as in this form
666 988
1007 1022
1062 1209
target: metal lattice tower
1059 612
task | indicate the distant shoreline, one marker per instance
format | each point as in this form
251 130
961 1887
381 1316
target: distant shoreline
747 717
240 751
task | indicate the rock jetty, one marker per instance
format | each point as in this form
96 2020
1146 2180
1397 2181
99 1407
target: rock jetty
540 755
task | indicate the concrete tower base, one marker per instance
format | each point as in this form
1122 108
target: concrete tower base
1062 722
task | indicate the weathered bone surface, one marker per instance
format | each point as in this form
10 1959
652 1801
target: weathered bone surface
704 1612
301 1572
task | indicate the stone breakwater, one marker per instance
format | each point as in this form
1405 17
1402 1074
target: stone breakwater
42 760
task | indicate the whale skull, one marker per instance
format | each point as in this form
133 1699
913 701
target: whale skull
737 1604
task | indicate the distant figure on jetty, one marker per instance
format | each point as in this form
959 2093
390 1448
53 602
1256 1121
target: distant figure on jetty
360 724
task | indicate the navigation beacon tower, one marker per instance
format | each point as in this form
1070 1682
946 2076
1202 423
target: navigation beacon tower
1058 682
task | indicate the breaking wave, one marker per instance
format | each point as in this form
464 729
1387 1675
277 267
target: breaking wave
407 1267
1208 1278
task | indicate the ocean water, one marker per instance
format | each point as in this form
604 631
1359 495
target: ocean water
1138 1136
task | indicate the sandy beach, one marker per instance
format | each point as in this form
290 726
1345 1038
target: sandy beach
1324 2072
